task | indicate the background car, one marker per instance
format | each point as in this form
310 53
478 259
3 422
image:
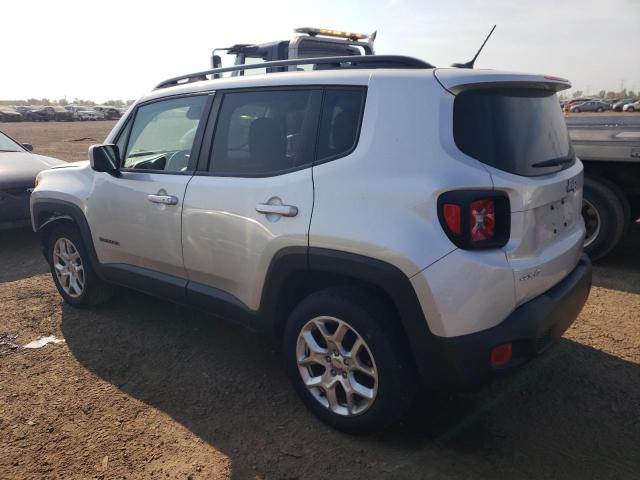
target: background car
632 107
38 114
110 113
18 170
9 114
89 114
61 114
590 106
619 105
570 103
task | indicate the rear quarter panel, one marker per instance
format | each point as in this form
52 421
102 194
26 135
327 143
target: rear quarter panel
380 201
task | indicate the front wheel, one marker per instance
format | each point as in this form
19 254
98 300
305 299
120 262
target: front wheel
346 357
71 269
631 109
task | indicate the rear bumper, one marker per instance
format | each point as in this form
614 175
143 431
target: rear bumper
531 328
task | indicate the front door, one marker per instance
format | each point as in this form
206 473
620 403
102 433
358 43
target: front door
136 217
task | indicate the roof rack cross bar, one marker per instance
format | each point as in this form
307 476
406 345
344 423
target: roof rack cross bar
355 61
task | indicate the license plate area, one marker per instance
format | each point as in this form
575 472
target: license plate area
554 219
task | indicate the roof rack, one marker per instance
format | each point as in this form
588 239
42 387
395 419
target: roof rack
328 63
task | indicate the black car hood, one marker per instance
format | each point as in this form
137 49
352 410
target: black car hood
19 169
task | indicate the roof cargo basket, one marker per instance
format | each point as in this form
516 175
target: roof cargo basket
323 63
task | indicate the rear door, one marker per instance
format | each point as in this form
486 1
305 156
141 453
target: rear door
515 127
253 193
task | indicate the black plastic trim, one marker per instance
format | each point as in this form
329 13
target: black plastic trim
352 62
145 280
220 303
42 210
286 262
531 328
398 286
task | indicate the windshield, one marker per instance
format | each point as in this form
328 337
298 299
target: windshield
8 145
518 130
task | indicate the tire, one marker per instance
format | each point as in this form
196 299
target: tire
384 354
94 290
609 212
631 109
600 110
576 110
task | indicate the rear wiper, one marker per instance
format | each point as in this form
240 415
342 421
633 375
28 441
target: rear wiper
554 162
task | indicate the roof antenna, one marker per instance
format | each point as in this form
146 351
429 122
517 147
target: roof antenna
470 63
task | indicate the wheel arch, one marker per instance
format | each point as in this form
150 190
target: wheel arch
48 214
297 272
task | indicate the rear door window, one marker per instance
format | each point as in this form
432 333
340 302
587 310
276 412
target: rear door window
514 130
263 133
340 124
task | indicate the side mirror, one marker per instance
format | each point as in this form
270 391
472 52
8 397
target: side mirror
105 158
28 147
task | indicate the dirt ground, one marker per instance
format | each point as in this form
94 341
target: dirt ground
144 389
64 140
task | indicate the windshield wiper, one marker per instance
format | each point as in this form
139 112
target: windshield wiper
554 162
9 150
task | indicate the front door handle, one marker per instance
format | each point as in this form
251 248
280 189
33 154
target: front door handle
163 199
283 210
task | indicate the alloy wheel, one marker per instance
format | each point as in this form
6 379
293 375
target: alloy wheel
68 267
337 366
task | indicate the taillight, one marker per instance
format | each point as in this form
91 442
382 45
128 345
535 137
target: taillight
475 218
451 214
483 220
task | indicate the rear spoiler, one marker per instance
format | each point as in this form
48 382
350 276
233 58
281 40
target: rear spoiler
456 80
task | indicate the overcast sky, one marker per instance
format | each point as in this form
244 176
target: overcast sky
113 49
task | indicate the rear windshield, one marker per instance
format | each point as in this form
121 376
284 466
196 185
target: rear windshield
513 130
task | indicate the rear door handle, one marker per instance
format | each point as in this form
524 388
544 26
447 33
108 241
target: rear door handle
163 199
283 210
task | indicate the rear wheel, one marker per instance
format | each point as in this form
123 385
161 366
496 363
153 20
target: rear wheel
71 269
600 109
347 360
604 214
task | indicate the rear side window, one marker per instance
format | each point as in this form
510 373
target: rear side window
340 123
513 130
264 133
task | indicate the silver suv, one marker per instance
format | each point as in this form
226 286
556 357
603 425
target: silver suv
387 221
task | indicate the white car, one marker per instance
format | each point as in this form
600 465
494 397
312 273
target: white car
632 107
89 115
388 222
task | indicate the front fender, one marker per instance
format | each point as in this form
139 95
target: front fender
48 213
